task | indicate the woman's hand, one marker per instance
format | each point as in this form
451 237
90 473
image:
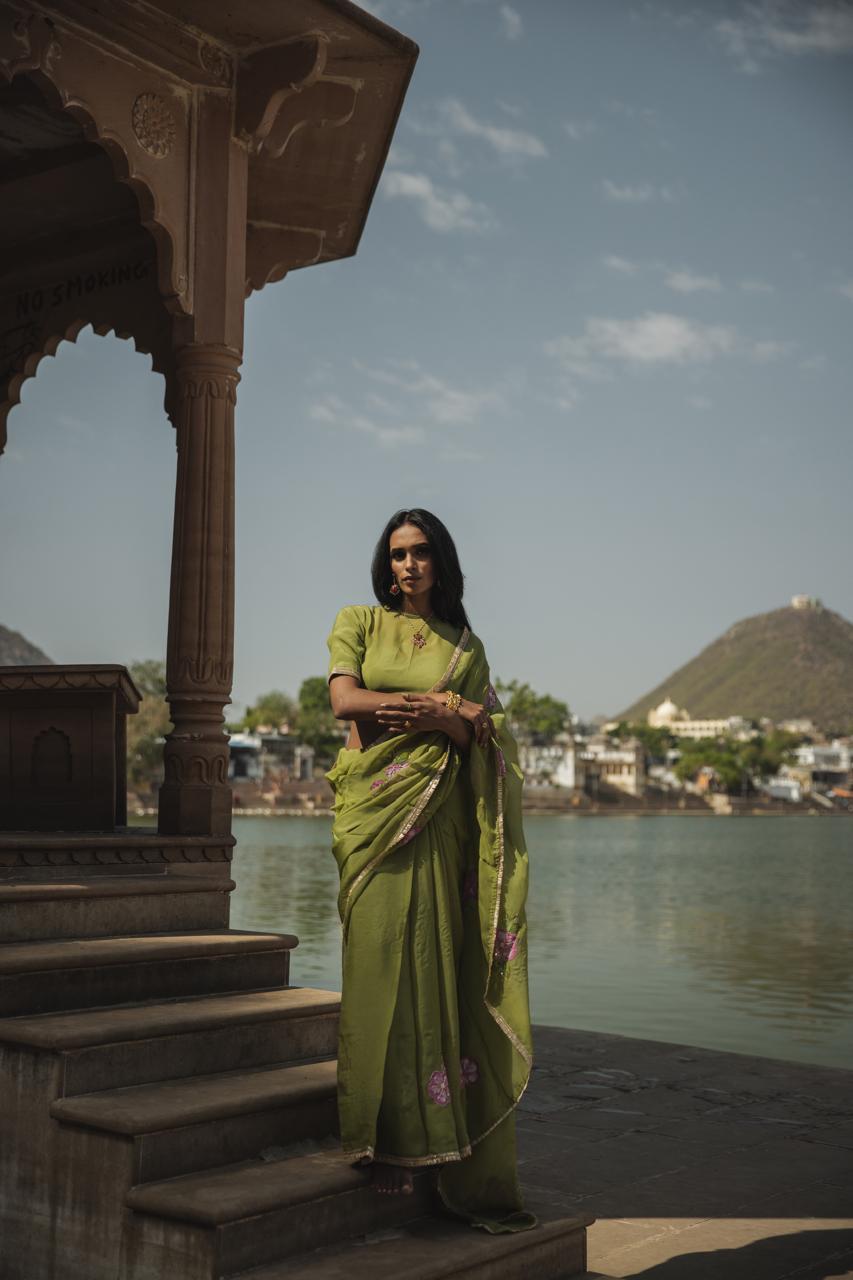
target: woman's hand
416 712
412 711
475 714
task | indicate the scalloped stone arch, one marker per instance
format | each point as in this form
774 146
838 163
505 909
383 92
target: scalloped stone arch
70 334
146 198
143 331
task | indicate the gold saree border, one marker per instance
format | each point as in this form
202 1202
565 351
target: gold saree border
516 1042
409 1162
454 661
409 821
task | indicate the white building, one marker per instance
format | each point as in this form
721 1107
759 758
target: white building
553 764
669 716
620 764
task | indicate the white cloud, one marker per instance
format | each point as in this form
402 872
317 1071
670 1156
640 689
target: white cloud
623 266
701 403
654 338
330 410
511 22
786 28
629 111
441 402
756 286
637 193
510 143
847 289
440 209
579 129
768 350
689 282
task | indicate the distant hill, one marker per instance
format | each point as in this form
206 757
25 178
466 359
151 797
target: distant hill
791 663
15 651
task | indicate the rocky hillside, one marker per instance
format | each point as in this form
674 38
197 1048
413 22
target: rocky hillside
784 664
15 651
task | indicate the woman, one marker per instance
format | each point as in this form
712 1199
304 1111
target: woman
435 1047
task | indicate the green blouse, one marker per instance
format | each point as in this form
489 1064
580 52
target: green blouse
392 652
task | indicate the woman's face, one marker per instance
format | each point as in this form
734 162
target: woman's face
411 560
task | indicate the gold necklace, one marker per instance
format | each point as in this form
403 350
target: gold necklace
418 637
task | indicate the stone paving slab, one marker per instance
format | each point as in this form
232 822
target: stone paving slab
697 1165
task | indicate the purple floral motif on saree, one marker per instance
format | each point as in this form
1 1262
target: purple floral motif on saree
390 771
438 1087
491 699
501 762
506 946
469 887
469 1072
410 834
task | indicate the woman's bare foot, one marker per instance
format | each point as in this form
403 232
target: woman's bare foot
391 1178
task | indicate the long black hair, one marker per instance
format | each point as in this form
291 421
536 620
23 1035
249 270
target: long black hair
449 580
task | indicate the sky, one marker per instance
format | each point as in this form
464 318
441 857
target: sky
599 322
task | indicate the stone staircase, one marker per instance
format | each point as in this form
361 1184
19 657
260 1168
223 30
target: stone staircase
168 1111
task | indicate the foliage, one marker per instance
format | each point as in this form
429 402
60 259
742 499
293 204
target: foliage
147 729
271 709
315 724
656 742
736 764
531 714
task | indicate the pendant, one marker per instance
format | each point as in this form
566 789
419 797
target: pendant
419 639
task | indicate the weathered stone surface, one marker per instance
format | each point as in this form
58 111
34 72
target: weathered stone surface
79 973
710 1164
110 905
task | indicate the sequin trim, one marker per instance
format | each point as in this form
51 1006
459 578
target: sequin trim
454 661
399 838
408 1162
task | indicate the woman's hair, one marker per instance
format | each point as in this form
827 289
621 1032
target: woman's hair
449 581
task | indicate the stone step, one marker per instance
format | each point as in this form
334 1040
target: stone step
37 977
182 1126
435 1248
109 1048
111 905
220 1223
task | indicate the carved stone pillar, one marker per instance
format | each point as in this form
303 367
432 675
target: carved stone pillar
195 798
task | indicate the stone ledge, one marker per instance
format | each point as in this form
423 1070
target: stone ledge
174 1104
88 1028
69 954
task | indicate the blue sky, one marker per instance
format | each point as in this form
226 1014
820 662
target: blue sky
600 322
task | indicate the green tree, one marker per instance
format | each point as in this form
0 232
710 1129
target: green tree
274 709
315 724
655 741
147 729
532 714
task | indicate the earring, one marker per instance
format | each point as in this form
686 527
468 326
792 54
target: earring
395 590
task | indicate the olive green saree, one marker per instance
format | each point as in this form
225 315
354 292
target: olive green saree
435 1047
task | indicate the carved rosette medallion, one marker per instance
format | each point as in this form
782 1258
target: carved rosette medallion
215 61
153 124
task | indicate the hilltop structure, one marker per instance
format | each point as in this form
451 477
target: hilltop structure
794 663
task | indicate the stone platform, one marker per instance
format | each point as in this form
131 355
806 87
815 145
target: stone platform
696 1165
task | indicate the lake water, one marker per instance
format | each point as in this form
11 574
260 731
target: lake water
731 933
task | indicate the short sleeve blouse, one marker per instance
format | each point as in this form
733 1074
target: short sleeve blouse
348 641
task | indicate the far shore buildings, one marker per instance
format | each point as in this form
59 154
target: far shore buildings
577 764
678 721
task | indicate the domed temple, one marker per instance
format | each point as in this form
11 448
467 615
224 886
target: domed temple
159 161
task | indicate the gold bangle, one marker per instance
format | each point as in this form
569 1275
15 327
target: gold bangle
453 701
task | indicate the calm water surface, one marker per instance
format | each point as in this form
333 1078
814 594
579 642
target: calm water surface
729 933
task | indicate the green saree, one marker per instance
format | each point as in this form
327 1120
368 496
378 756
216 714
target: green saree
435 1046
